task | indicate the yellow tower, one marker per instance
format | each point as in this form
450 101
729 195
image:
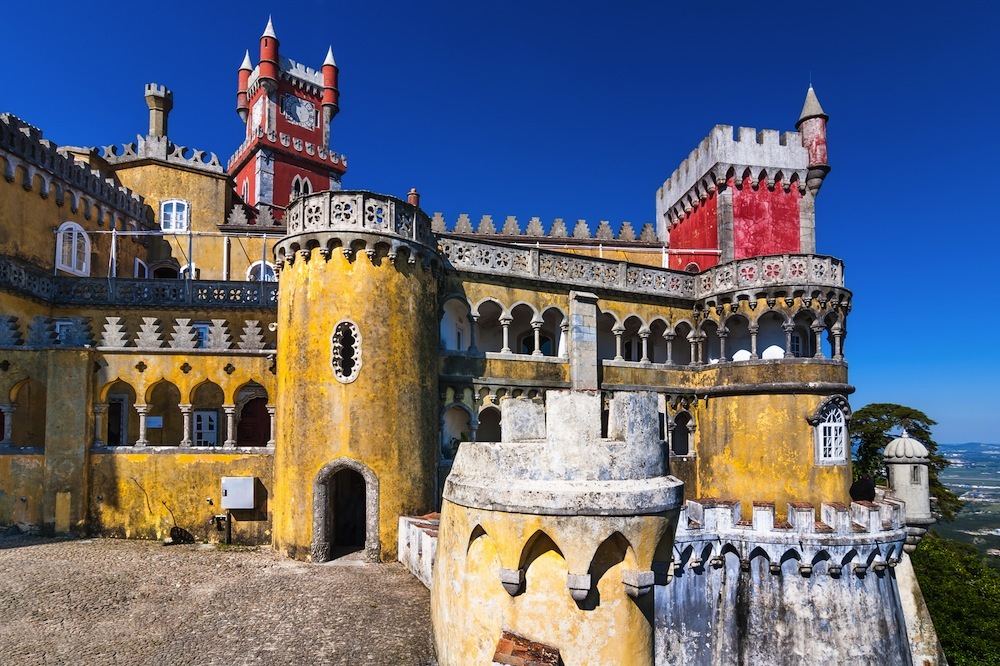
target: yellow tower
357 387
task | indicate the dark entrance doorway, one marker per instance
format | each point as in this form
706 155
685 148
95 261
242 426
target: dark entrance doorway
255 424
346 513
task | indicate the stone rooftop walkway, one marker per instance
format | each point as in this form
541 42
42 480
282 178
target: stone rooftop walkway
105 601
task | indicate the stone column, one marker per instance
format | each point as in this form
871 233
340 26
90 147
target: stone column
505 323
186 417
536 327
270 412
644 336
142 410
723 333
669 337
100 409
473 323
618 330
818 329
838 341
693 341
8 409
563 339
788 339
230 426
753 341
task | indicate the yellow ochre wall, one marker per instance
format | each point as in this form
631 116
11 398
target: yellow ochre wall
143 495
21 476
386 419
760 447
470 607
36 219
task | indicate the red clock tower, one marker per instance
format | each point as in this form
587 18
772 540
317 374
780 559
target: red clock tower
287 108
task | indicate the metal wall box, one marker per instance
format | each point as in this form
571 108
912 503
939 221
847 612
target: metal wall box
237 492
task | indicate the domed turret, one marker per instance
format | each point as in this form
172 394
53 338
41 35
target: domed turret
908 463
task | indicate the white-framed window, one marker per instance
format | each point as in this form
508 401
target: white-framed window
62 328
206 427
140 270
245 191
831 436
174 215
262 271
188 268
201 330
73 249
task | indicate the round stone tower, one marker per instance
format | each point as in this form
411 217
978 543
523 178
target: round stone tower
355 434
907 463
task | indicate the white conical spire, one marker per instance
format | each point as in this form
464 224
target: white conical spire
329 58
269 30
246 62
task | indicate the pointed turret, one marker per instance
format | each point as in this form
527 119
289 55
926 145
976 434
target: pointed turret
242 104
269 57
812 125
331 95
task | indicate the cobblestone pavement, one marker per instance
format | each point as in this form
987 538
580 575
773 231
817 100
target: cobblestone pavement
105 601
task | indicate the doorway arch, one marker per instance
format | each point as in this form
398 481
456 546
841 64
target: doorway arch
344 508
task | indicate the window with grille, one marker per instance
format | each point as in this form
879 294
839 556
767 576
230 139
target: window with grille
206 430
174 215
831 436
73 249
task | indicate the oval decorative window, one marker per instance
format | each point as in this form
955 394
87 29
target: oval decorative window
346 346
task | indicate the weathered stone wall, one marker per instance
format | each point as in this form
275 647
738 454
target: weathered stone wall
385 418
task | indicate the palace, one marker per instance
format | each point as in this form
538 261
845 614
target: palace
637 440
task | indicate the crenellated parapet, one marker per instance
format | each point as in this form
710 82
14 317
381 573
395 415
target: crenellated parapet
162 149
357 221
765 157
23 149
510 230
286 143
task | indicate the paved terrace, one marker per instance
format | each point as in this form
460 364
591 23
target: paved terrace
104 601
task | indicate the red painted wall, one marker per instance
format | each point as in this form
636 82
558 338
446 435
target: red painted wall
765 221
285 172
698 231
314 136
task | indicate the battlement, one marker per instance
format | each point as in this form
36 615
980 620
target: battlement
553 460
25 148
298 75
848 539
162 149
766 156
835 519
558 231
287 143
157 90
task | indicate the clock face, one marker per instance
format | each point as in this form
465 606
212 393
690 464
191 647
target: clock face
298 111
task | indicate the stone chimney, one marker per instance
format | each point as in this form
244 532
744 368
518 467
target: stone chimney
160 102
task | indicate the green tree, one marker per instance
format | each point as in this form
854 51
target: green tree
963 597
875 425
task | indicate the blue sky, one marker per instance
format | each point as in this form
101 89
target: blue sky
581 110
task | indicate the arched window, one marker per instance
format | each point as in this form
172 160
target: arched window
261 271
245 191
680 434
301 187
831 436
174 215
141 269
73 249
186 272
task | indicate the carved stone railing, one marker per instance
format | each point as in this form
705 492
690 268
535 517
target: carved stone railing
587 272
775 270
355 218
193 293
67 290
